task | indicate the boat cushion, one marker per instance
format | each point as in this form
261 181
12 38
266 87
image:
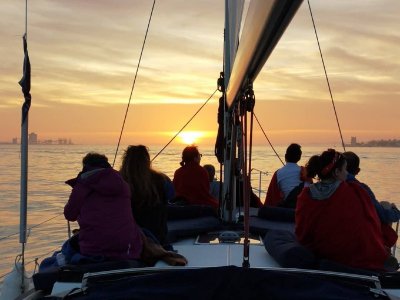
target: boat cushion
272 213
284 248
181 228
262 226
45 279
179 212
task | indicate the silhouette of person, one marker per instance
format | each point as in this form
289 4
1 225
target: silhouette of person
214 183
337 220
100 202
151 190
191 181
288 181
387 212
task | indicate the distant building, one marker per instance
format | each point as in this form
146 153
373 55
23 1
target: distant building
15 141
353 141
33 138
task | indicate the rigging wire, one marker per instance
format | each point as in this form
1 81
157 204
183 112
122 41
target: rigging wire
276 153
32 261
326 75
187 123
30 228
133 84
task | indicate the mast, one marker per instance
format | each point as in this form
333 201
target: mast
233 17
25 83
265 23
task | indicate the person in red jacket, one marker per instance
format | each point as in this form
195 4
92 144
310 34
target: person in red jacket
191 180
337 220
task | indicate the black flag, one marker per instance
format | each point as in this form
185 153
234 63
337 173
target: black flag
25 82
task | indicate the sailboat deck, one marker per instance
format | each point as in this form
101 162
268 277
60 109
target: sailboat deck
216 255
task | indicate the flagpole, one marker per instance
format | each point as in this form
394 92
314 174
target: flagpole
25 84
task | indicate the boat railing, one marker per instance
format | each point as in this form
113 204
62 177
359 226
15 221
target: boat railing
262 182
36 234
259 183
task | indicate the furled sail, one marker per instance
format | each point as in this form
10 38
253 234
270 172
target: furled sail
25 82
265 23
233 20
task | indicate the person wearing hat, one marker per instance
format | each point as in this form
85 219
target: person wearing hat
191 181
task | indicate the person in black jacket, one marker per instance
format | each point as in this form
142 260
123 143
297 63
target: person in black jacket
151 190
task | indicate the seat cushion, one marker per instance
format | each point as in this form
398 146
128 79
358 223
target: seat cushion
284 248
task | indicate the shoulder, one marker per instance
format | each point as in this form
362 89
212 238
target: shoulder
356 187
178 171
165 177
289 167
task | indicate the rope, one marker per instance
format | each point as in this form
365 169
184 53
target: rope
133 84
201 107
326 76
269 142
4 275
43 255
35 260
30 228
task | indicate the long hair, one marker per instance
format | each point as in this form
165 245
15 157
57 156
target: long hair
137 172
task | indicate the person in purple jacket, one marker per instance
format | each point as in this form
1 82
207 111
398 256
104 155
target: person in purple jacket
101 203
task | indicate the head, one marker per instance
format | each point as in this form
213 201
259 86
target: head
329 165
137 172
94 160
211 171
293 153
136 160
190 154
353 162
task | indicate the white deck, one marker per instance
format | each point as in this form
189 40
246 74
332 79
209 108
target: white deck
216 255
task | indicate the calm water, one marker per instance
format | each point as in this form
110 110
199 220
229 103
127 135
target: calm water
51 165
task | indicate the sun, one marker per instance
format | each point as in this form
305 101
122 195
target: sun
190 137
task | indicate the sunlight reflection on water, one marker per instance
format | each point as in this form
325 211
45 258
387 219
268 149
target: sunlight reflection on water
51 165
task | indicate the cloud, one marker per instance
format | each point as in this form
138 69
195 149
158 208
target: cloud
84 56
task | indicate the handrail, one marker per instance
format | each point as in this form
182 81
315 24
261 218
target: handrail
260 172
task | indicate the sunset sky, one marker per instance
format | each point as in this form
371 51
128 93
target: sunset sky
84 56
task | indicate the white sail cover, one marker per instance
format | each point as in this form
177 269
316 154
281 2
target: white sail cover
265 23
233 20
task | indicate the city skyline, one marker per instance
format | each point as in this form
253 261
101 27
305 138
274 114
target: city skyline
33 138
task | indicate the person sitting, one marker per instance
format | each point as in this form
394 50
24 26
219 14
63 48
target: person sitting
191 180
151 191
100 202
336 219
214 183
387 212
288 181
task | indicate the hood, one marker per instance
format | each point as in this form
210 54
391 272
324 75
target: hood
323 189
104 181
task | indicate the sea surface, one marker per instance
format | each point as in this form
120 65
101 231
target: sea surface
50 165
